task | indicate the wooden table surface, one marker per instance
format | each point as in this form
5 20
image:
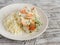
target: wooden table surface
52 35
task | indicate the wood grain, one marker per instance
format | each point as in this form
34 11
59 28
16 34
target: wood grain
52 35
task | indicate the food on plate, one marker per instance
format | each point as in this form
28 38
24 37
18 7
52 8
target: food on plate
26 19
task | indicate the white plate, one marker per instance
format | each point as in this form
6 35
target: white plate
10 8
